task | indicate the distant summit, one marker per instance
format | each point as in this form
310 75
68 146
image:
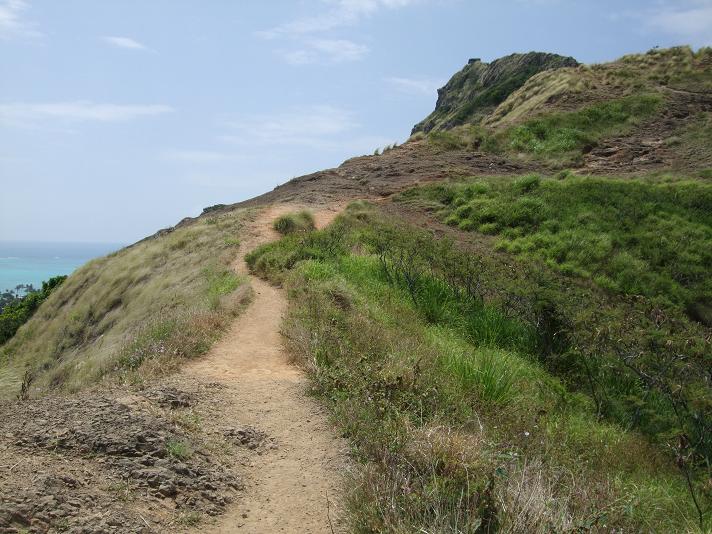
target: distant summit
480 87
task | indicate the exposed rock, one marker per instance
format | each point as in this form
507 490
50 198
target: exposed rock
250 438
78 464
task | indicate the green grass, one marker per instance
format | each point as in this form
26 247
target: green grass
634 236
179 450
451 427
557 138
557 134
489 372
301 221
139 311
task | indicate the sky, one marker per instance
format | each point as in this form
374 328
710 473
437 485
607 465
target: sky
120 117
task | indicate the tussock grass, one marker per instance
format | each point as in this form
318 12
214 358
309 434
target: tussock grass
141 310
179 450
301 221
454 433
488 372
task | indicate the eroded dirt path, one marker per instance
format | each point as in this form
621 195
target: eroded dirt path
295 486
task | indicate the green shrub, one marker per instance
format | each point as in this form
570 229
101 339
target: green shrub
446 140
302 221
637 236
14 314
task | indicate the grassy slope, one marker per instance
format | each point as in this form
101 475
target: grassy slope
479 88
557 138
142 308
456 421
633 288
650 237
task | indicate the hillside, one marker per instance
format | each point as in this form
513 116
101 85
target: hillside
508 325
479 88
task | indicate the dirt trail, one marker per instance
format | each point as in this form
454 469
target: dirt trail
293 487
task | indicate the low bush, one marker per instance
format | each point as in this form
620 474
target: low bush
556 138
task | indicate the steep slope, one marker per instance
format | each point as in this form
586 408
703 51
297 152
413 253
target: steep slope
140 310
480 87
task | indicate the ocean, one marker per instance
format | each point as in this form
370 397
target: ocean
33 263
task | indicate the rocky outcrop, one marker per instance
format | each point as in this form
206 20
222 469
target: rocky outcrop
480 87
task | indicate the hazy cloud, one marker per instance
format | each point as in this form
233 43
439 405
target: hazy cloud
24 113
123 42
341 13
12 23
338 13
330 50
689 20
197 156
311 126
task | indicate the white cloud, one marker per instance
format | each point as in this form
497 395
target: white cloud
342 13
12 24
424 86
21 113
331 50
124 42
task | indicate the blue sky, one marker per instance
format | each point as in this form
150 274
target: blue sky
121 117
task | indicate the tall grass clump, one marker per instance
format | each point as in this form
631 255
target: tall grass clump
488 372
301 221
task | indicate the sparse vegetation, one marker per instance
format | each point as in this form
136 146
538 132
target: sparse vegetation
179 450
569 134
301 221
447 389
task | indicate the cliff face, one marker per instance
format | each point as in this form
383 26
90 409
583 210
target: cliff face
479 87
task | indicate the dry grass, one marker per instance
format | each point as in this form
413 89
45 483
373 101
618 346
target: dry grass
144 307
564 89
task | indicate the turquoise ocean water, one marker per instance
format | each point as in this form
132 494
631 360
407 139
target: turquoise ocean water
32 263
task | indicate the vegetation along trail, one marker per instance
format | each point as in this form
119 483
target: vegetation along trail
291 486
